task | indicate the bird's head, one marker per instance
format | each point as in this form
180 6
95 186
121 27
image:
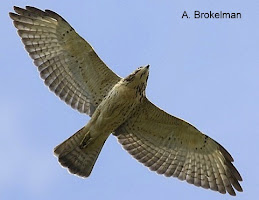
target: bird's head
138 77
137 81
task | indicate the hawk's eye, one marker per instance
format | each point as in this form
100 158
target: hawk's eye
130 78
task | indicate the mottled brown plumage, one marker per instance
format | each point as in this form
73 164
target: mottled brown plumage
72 70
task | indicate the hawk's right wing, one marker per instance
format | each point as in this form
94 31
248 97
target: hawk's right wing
67 63
173 147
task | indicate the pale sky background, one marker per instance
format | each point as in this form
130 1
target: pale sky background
204 71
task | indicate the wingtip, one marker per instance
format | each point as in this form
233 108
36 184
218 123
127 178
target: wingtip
11 15
18 9
233 194
15 7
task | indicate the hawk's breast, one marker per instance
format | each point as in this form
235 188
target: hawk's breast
115 108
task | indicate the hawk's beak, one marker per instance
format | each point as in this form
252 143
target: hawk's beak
147 67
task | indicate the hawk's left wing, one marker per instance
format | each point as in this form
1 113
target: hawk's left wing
67 63
173 147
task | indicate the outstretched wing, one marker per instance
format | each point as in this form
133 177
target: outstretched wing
67 63
173 147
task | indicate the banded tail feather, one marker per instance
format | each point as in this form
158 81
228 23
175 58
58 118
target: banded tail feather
78 158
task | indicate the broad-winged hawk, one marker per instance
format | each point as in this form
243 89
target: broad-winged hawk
73 71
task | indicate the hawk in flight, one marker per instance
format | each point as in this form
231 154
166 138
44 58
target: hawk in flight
71 69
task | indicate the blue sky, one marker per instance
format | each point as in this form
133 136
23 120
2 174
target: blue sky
204 71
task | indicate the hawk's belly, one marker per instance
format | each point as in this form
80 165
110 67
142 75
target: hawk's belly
114 110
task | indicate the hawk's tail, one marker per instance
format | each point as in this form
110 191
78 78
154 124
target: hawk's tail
80 152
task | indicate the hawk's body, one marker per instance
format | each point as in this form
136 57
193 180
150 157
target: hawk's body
165 144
